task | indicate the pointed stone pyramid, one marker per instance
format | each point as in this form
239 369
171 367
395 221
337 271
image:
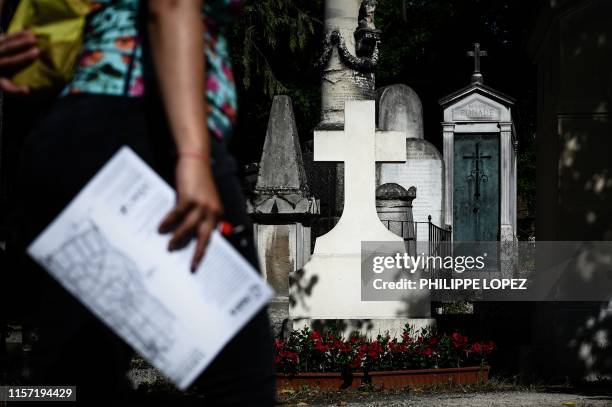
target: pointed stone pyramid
281 167
281 184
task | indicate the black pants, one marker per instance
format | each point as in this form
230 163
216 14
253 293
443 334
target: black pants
67 147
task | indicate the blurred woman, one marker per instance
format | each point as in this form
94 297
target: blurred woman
155 76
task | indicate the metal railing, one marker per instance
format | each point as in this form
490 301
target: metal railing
438 238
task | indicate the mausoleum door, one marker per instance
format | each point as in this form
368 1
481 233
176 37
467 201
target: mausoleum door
476 193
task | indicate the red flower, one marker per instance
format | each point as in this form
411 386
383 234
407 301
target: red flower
427 351
488 347
342 346
375 349
315 336
355 362
278 344
397 347
286 355
321 347
476 348
433 340
459 340
289 355
406 336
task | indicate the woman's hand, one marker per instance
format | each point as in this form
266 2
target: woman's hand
198 207
17 50
176 35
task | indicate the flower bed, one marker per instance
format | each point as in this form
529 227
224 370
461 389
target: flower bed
416 359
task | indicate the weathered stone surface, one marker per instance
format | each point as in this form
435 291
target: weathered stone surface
283 248
394 207
395 192
281 187
340 82
281 168
281 207
400 109
423 169
278 310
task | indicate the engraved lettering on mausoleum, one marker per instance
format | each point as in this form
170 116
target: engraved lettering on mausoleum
476 110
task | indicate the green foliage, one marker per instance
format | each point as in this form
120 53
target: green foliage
271 27
409 27
274 45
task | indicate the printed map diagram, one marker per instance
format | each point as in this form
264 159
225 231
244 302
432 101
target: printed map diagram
105 249
111 285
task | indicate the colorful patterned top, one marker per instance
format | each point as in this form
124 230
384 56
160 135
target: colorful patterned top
111 60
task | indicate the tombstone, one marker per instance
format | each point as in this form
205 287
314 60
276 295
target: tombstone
480 157
329 285
400 109
281 208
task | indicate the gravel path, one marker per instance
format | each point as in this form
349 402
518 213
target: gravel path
497 399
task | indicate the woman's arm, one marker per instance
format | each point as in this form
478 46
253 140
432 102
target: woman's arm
176 35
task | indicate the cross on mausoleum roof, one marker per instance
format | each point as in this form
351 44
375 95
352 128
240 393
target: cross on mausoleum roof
476 54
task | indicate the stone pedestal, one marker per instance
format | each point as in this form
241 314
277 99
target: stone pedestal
282 208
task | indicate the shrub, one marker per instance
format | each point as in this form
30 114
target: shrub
311 351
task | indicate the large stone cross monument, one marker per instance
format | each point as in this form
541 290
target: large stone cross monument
359 146
329 285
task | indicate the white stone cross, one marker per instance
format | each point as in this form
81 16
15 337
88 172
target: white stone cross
360 146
